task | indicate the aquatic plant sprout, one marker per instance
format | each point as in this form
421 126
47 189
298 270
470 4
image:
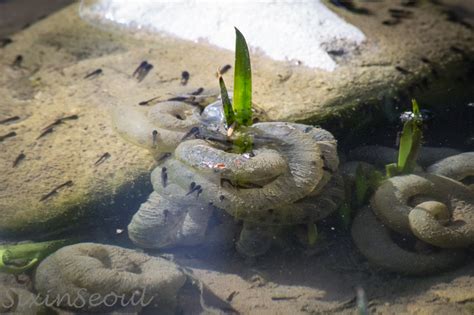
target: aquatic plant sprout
241 109
239 113
409 148
410 143
226 103
361 186
19 258
367 182
242 81
312 234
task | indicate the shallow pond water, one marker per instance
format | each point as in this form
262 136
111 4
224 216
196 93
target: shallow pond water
122 189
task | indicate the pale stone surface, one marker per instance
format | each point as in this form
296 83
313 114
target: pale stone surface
280 29
39 93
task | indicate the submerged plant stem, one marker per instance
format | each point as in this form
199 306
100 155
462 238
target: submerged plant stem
410 144
312 234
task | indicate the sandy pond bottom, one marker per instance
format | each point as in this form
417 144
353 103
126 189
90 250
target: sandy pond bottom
292 281
295 281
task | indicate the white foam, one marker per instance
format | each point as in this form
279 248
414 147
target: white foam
282 29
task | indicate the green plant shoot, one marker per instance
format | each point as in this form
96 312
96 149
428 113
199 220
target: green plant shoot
410 142
391 170
242 82
366 182
361 186
312 234
226 104
19 258
238 114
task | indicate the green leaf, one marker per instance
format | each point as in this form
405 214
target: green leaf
228 111
410 143
374 180
406 143
415 108
361 186
242 82
391 170
312 234
416 136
